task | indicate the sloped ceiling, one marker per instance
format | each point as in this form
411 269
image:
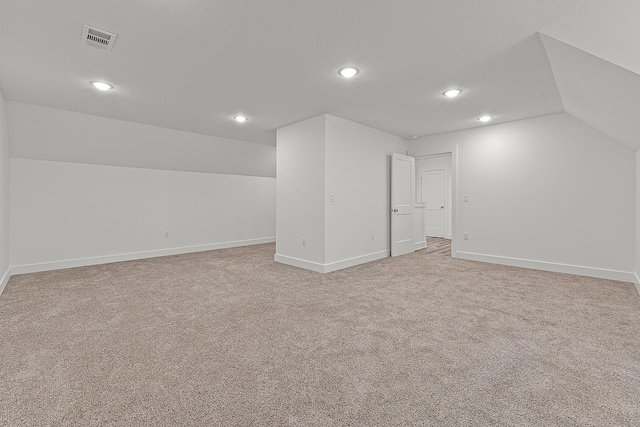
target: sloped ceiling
595 62
609 30
192 64
598 92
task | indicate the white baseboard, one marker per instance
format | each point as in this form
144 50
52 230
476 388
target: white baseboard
5 279
600 273
363 259
420 245
332 266
300 263
81 262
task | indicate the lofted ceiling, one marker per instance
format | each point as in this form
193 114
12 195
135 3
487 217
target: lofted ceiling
597 92
193 64
608 30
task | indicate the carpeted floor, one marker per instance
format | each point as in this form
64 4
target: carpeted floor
231 338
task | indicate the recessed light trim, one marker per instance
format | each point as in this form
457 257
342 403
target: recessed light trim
101 85
240 119
485 119
452 93
348 72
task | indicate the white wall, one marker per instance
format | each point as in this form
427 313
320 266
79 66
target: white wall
435 162
88 189
4 196
300 192
548 192
638 220
358 175
67 214
326 156
51 134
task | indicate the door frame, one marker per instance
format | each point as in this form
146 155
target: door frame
446 193
455 226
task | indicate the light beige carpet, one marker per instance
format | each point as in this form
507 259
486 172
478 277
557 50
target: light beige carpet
231 338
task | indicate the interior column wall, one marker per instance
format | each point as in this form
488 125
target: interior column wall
333 193
300 194
357 197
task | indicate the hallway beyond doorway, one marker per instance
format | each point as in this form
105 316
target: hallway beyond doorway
438 246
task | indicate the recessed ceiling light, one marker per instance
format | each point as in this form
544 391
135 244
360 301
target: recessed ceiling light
240 119
348 72
452 93
101 85
485 119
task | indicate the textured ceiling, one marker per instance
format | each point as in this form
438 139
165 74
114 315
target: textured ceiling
192 64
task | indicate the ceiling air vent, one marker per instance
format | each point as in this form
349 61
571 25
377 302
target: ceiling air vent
100 39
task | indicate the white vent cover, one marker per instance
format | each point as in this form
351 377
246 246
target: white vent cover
100 39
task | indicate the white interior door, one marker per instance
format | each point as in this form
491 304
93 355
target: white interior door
433 190
402 191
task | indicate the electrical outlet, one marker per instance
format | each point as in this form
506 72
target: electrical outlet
466 197
331 198
304 241
466 236
166 234
373 237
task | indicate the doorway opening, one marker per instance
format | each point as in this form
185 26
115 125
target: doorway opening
434 196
